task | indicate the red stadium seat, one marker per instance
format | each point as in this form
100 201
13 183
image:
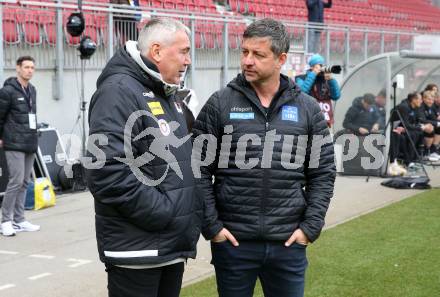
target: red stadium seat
48 21
198 35
180 5
143 3
169 5
156 3
11 34
30 25
209 35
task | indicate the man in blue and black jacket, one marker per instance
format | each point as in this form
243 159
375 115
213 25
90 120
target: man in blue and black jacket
272 184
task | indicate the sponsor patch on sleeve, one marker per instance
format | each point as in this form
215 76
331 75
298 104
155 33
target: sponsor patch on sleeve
155 107
289 113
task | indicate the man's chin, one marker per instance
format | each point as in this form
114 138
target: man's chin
173 81
250 77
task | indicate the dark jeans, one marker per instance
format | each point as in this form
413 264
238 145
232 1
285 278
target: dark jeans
154 282
280 269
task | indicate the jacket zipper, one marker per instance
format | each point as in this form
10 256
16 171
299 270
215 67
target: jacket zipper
265 191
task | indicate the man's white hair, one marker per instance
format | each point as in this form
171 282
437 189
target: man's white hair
159 30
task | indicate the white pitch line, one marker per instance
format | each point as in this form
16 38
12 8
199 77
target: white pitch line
8 286
35 277
42 256
79 262
8 253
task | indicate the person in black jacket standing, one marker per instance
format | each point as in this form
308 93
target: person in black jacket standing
18 136
147 211
272 186
315 9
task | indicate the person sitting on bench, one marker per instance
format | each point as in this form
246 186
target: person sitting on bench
412 125
362 118
432 139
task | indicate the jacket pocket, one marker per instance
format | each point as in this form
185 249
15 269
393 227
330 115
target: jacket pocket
118 238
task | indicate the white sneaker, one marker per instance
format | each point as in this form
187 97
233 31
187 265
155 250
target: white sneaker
7 229
434 157
26 227
395 169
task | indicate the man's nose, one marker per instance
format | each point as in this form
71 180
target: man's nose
188 60
248 60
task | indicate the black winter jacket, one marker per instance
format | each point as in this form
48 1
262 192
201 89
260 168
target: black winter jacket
382 115
357 117
137 223
413 118
316 10
268 201
431 115
15 107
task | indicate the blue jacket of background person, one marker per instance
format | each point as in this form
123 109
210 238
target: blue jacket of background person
307 81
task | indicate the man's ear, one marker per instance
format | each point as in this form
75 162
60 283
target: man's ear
282 58
155 52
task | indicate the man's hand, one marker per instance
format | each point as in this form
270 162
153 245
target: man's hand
224 235
1 143
299 237
375 128
363 131
399 130
428 128
316 68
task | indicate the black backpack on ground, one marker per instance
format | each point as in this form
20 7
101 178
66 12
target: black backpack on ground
408 182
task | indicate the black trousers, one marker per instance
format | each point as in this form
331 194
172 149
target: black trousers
154 282
401 147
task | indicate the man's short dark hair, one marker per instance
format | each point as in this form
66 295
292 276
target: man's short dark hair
369 98
271 29
412 96
24 58
431 87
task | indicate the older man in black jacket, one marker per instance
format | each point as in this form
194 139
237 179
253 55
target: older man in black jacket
274 171
147 211
18 136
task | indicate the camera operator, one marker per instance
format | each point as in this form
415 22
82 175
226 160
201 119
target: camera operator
319 83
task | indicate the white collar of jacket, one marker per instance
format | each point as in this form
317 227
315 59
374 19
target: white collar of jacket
132 50
190 100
